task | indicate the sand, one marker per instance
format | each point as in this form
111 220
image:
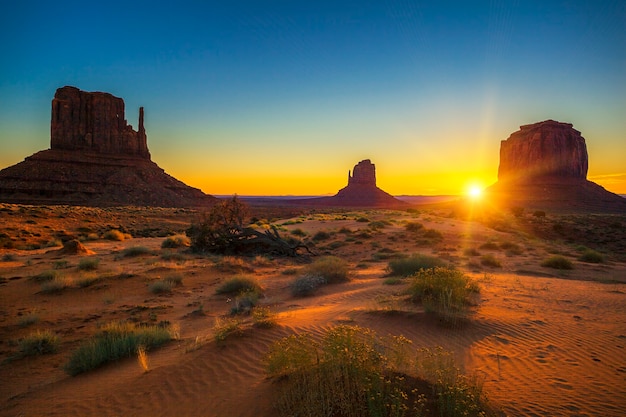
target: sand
544 342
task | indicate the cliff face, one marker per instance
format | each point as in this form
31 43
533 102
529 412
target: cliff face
544 149
544 165
96 159
94 122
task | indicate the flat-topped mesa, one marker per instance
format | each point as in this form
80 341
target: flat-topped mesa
94 122
547 149
363 173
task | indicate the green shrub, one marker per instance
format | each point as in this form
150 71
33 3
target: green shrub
61 264
160 287
58 284
239 284
321 235
443 291
362 220
223 329
432 234
354 372
115 341
306 285
176 241
45 276
298 232
263 317
38 343
591 256
88 264
375 225
409 266
331 268
87 281
175 279
413 227
557 262
134 251
244 302
490 260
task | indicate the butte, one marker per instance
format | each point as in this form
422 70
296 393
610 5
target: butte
361 191
544 166
95 159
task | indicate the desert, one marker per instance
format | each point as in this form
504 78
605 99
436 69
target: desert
543 341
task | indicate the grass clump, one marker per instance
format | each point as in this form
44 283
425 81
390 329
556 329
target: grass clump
413 227
115 235
490 260
331 268
88 264
232 264
38 343
443 291
135 251
591 256
161 287
115 341
408 266
557 262
306 285
176 241
28 319
245 302
321 235
57 285
239 284
263 317
224 328
352 371
45 276
87 281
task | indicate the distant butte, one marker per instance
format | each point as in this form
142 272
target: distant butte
96 159
544 165
361 191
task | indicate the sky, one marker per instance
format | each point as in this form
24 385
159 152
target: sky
284 97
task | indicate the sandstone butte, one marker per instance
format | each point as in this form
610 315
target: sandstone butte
95 159
361 191
544 166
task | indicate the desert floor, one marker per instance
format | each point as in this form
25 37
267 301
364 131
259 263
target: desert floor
544 341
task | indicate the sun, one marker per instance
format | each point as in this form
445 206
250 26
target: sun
474 191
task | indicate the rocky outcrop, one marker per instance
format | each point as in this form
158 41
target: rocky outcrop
94 122
96 159
544 149
361 191
544 166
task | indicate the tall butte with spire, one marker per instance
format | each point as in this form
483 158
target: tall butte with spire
95 158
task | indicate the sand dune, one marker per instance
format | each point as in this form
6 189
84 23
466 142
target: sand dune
543 345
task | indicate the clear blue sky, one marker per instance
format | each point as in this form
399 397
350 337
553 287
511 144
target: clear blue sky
283 97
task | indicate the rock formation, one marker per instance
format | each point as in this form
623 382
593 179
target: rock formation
544 165
361 191
94 122
95 158
544 149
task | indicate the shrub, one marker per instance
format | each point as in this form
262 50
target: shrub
490 260
591 256
115 341
321 235
557 262
38 343
86 281
175 279
239 284
88 264
362 220
134 251
511 248
61 264
443 291
28 319
298 232
45 276
225 328
176 241
114 234
432 234
306 284
160 287
232 264
331 268
377 225
354 372
263 317
413 227
8 257
173 256
58 284
409 266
